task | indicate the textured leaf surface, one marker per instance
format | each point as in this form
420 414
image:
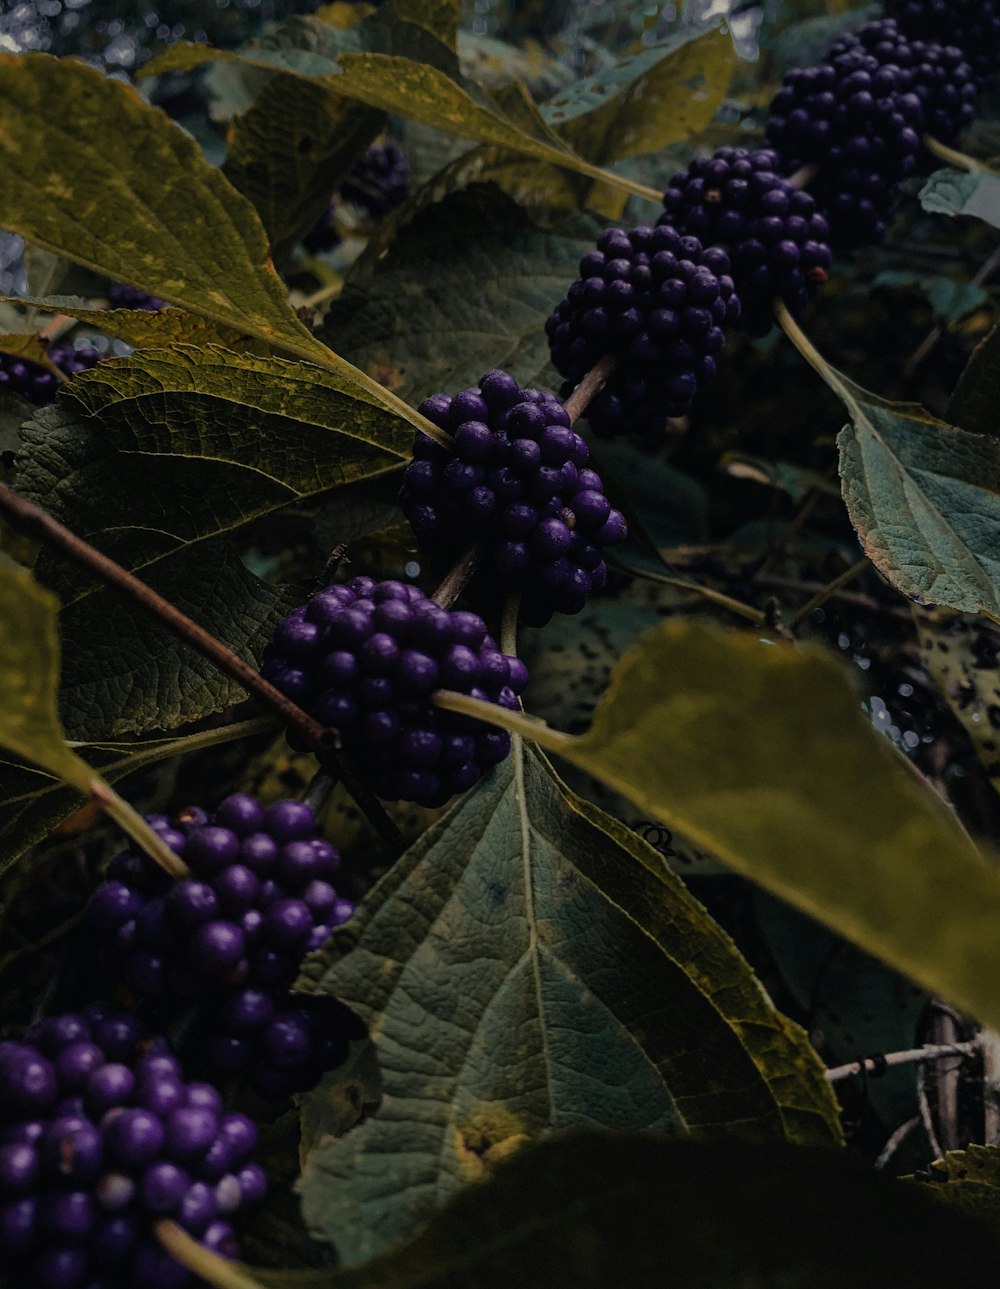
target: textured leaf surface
969 1182
148 455
414 323
118 187
605 1209
528 967
647 101
804 797
29 346
140 327
955 192
29 676
924 497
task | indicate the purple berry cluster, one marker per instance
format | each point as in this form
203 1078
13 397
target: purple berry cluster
365 657
972 25
775 236
380 181
231 937
519 484
860 116
35 383
100 1137
121 296
657 302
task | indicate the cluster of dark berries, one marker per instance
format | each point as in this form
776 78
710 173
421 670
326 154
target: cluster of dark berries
775 236
972 25
377 183
365 657
655 301
100 1137
380 181
35 383
231 936
121 296
860 116
517 483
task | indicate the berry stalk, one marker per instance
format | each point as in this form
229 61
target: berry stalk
209 1266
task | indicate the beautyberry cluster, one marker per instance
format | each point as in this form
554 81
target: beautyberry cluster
100 1137
35 383
972 25
860 116
366 656
655 301
776 237
519 484
231 937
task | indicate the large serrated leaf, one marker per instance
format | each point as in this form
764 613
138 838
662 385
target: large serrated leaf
923 495
116 186
609 1210
647 101
802 796
149 455
955 192
528 967
975 403
140 327
968 1181
414 323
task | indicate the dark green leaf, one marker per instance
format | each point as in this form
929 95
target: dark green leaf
956 192
415 324
140 327
647 101
804 797
529 966
590 1209
975 404
968 1181
167 449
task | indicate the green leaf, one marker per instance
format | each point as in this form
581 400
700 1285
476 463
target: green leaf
118 187
975 403
124 673
290 151
648 101
412 321
589 1209
140 327
526 967
28 346
29 677
417 78
170 448
923 496
956 192
968 1182
806 799
34 803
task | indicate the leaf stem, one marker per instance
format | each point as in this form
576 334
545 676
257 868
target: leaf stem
508 625
209 1266
321 740
954 158
913 1056
131 822
804 176
589 387
530 727
829 590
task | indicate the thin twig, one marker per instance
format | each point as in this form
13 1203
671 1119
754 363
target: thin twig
318 792
589 387
958 159
530 727
457 579
745 611
926 1117
896 1140
323 741
875 1064
826 592
945 1030
804 176
508 625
